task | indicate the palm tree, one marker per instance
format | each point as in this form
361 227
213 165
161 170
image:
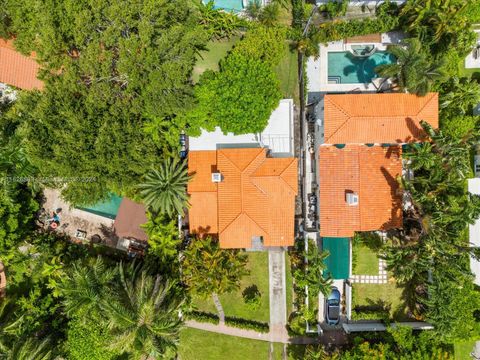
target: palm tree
142 314
312 275
461 96
413 71
164 190
209 270
269 14
84 287
29 349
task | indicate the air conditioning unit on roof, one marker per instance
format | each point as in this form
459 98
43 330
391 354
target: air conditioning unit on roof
351 199
216 177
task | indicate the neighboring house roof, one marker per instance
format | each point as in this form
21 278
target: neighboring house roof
378 118
130 217
256 197
370 172
277 135
16 69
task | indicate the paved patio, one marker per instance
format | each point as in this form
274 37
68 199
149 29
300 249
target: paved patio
73 220
381 278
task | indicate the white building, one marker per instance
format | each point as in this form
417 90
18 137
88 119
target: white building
474 231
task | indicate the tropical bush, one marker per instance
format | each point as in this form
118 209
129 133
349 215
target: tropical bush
163 239
459 126
88 341
414 71
247 324
267 44
239 98
252 296
201 316
218 23
458 97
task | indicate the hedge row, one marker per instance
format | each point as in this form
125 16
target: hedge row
370 313
247 324
201 316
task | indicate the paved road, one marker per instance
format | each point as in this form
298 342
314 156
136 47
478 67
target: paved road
278 295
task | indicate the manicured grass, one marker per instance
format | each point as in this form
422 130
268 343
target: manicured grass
204 345
233 303
287 72
463 349
389 294
289 284
366 260
209 59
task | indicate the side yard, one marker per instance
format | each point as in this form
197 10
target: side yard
376 296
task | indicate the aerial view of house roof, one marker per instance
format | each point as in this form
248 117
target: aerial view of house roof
254 196
369 172
378 118
16 69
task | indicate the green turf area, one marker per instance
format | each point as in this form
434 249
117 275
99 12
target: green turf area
289 284
463 349
209 59
204 345
233 303
287 72
366 260
376 294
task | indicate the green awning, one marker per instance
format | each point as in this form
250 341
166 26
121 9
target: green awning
338 263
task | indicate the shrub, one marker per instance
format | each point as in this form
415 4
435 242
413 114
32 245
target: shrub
247 324
263 43
88 341
371 312
240 98
201 316
459 126
252 297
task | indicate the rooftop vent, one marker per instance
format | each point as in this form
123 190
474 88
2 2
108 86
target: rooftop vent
216 177
351 199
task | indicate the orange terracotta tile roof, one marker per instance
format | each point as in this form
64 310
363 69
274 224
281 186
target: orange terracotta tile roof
16 69
378 118
256 196
371 172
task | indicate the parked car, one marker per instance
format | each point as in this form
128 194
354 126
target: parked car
332 307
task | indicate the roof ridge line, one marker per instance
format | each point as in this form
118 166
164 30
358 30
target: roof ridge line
339 108
432 94
281 174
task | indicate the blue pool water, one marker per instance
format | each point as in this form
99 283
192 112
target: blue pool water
107 208
229 5
345 68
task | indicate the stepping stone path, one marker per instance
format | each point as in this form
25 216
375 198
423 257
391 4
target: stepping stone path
381 278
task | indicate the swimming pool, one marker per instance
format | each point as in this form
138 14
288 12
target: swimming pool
229 5
107 208
345 68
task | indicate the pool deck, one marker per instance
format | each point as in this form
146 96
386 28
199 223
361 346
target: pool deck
72 219
317 69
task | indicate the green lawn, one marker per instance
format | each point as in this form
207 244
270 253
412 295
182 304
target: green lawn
233 303
463 349
209 59
366 260
287 72
368 294
289 284
204 345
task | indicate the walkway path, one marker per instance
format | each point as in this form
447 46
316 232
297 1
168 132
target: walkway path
381 278
278 294
331 337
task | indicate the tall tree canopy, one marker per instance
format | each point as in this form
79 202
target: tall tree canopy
118 73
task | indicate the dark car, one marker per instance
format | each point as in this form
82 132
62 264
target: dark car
332 307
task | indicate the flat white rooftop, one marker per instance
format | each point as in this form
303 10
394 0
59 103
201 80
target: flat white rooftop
474 231
277 136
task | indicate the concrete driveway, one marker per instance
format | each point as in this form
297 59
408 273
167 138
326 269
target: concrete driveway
277 284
